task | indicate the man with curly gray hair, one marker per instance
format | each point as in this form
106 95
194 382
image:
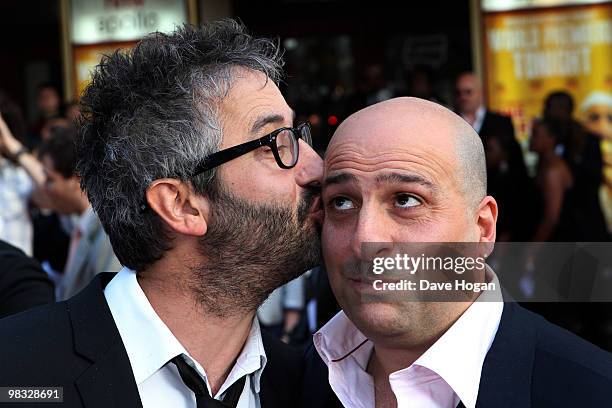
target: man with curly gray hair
210 197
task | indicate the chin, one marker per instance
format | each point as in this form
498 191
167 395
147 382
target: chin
378 318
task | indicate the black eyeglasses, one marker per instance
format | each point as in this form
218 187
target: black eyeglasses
283 142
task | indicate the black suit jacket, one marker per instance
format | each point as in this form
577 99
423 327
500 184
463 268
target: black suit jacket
76 345
500 126
531 363
23 284
495 124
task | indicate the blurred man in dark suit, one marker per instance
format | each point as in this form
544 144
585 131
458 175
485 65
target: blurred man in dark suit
470 106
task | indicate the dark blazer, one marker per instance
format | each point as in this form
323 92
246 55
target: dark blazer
75 344
531 363
23 284
497 125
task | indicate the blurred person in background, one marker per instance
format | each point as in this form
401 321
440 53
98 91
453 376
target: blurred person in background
48 107
90 250
596 111
26 220
51 125
56 187
16 187
23 284
469 104
561 220
282 311
72 112
554 181
582 153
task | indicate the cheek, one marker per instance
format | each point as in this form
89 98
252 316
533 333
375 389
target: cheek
443 225
262 185
335 245
331 242
458 227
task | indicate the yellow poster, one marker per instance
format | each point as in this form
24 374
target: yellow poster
530 53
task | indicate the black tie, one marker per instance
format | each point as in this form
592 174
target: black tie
192 379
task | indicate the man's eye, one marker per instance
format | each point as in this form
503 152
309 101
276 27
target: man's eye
406 201
342 204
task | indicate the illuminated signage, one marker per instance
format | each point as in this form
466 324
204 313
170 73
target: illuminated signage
505 5
102 21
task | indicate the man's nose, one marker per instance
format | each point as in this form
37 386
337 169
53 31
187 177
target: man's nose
371 237
309 168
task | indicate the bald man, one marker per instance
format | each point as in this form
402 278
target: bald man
469 101
410 171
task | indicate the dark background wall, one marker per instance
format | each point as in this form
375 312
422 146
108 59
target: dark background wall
31 48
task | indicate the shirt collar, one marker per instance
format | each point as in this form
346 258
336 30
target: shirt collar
479 118
457 356
150 344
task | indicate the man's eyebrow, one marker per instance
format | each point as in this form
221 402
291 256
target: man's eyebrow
404 178
265 120
339 178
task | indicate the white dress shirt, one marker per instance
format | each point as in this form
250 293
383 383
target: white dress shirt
449 371
150 345
478 118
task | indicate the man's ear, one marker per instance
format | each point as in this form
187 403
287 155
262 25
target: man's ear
487 219
175 202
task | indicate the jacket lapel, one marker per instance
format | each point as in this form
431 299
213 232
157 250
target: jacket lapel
109 381
507 370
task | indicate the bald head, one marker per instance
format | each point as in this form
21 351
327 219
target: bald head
437 140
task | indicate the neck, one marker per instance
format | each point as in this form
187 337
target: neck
82 204
214 342
386 360
395 353
83 207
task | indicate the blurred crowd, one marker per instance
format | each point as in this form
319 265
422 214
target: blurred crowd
45 214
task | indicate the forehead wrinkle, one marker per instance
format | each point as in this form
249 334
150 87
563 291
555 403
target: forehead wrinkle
357 158
403 176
